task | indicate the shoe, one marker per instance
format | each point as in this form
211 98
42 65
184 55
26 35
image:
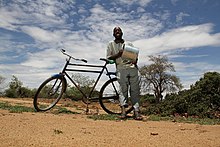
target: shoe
137 115
126 105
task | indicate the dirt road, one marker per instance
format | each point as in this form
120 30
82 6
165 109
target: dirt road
47 129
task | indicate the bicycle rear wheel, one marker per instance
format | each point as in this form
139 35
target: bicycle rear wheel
109 97
49 93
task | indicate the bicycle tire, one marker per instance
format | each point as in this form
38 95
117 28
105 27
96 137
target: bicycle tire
49 93
109 98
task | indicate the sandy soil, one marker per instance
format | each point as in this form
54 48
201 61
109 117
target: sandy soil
47 129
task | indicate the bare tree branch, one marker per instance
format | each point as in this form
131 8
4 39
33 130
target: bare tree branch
156 76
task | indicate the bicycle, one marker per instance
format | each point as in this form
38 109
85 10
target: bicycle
52 89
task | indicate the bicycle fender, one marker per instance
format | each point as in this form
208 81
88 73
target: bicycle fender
61 76
57 76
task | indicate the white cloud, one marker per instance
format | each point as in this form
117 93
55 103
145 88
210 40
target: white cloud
30 76
181 38
52 25
140 2
180 17
43 35
101 23
44 59
8 19
174 1
192 72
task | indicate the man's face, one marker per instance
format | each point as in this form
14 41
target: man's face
117 33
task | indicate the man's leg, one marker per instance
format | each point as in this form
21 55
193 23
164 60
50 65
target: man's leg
134 88
123 82
135 92
123 94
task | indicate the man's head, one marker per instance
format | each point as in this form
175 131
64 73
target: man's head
117 33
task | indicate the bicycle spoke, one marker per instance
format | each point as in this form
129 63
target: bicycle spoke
48 94
109 97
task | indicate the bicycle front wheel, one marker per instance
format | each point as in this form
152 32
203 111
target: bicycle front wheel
109 97
49 93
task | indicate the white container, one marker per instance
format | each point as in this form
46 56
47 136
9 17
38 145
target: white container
130 53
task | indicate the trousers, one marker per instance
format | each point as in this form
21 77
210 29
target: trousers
129 82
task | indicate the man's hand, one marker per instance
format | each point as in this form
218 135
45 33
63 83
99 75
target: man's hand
120 53
115 56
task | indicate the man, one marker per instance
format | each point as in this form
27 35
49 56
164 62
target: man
127 73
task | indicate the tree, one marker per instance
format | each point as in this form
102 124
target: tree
156 77
14 88
201 100
205 95
2 80
17 90
84 82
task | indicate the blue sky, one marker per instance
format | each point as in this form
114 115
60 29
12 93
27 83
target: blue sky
32 32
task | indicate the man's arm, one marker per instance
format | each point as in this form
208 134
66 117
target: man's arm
115 56
111 54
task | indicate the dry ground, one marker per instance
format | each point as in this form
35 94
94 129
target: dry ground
47 129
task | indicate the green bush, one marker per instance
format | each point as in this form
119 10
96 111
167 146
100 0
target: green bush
201 100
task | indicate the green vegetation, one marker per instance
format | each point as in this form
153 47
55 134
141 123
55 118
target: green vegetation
16 89
194 120
2 81
199 103
104 117
201 100
16 108
4 105
62 110
157 79
19 109
201 121
84 82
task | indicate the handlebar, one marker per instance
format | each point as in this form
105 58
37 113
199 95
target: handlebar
107 61
84 60
64 52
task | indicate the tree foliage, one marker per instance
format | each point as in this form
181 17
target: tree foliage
84 82
156 77
202 99
2 80
17 90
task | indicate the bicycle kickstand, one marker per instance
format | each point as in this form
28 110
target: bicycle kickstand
87 102
87 108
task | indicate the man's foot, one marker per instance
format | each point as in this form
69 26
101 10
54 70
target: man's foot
123 113
126 105
137 116
123 116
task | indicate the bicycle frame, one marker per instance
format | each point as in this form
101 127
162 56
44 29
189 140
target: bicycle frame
67 68
52 89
